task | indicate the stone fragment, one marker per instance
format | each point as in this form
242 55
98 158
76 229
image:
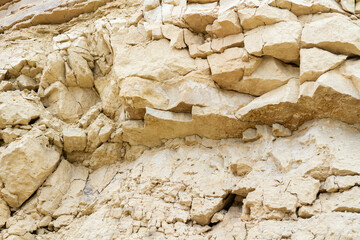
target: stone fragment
150 4
202 209
99 132
16 109
201 51
307 6
106 154
226 24
315 61
264 15
227 68
24 165
74 139
25 82
54 70
4 212
279 130
350 69
343 41
191 38
280 40
198 16
144 61
175 35
220 44
83 73
68 104
270 74
250 135
9 135
348 5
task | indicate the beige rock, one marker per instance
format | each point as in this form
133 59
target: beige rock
175 35
191 38
51 194
74 139
226 24
280 131
144 61
250 135
98 132
54 70
264 15
343 41
4 212
201 51
348 5
202 209
82 72
25 82
220 44
106 154
151 4
307 6
227 68
315 61
280 40
8 135
16 108
198 16
24 165
350 70
68 104
270 74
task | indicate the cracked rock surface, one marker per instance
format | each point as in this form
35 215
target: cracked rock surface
180 119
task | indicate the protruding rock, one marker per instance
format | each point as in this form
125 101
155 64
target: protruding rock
74 139
198 16
83 73
343 41
280 131
270 74
175 35
264 15
16 109
220 44
24 165
315 61
280 40
226 24
307 7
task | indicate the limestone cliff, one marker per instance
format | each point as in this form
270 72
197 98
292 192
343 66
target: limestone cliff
180 119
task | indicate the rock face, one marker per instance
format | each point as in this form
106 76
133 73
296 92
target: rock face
179 119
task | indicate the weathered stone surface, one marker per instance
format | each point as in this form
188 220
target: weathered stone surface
343 41
74 139
306 102
82 72
280 40
68 104
220 44
198 16
307 6
314 62
264 15
144 61
270 74
226 24
15 109
24 165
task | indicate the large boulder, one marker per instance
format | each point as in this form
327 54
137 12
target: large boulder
24 165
